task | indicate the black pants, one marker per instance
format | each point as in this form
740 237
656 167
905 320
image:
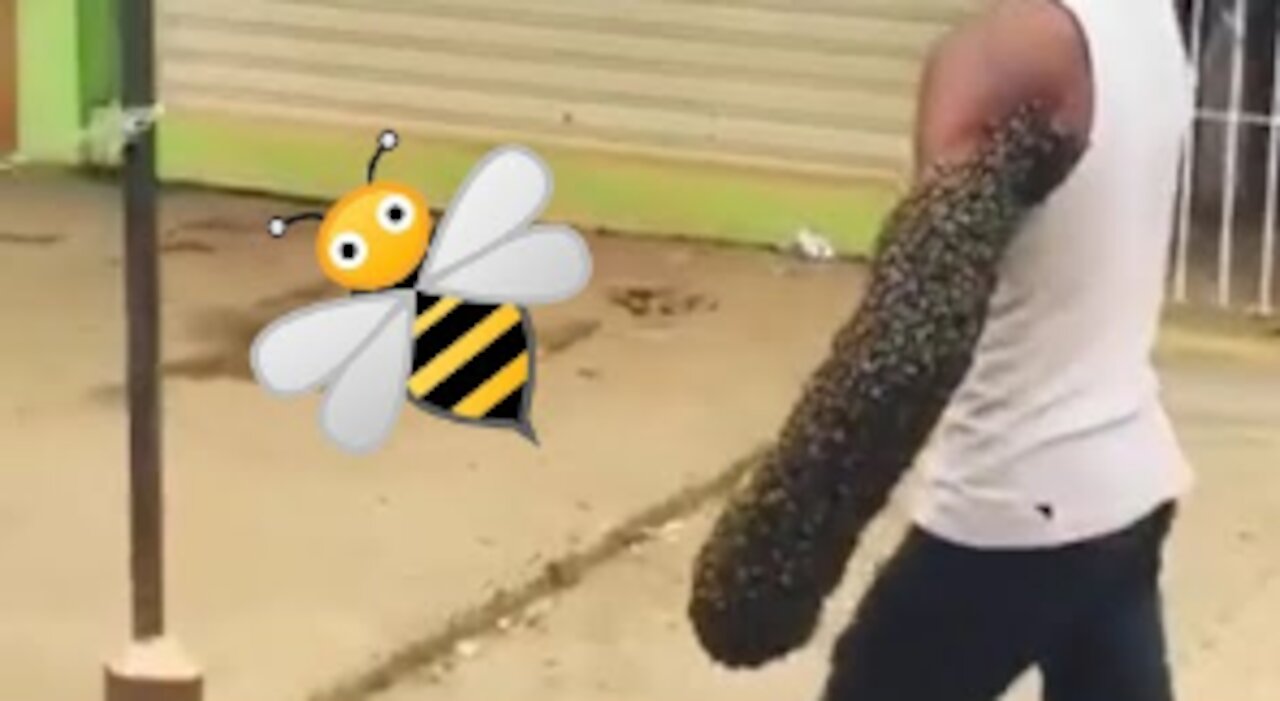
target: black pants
949 623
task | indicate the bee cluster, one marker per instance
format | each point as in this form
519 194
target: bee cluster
782 543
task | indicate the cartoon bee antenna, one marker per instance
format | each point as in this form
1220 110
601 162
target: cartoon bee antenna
388 140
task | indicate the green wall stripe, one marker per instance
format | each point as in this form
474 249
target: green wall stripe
98 55
48 81
628 194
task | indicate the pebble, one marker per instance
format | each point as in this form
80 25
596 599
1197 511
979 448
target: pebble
467 649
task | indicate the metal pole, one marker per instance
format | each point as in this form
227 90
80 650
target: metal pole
142 301
153 667
1188 160
1226 231
1267 274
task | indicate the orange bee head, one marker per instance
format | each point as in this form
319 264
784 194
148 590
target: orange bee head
375 236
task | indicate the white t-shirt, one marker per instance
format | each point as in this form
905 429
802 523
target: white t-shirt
1057 433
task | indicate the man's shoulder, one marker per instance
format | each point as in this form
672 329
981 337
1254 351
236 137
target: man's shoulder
1014 53
1017 50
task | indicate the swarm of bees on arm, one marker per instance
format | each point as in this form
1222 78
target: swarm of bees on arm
782 543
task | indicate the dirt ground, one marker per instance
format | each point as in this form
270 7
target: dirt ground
460 564
622 636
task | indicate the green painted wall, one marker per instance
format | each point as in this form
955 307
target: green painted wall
98 56
68 67
628 194
48 80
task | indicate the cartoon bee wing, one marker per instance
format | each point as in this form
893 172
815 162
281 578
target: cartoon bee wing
359 347
365 400
302 350
541 265
505 191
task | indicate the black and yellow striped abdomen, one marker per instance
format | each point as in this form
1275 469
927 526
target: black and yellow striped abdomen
470 361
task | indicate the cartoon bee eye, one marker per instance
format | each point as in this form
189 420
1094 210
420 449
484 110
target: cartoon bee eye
395 214
348 250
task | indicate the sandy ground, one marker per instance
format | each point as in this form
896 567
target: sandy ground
622 635
293 567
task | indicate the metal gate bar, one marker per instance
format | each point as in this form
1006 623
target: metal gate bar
1231 160
1232 120
1183 232
1273 181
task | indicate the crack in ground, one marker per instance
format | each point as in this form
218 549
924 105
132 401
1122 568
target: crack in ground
559 575
17 239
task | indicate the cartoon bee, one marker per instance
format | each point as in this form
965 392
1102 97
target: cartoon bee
438 314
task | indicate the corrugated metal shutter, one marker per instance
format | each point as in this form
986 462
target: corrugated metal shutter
803 85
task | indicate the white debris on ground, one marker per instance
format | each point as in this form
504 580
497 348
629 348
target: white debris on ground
536 613
666 532
11 161
811 245
670 530
467 649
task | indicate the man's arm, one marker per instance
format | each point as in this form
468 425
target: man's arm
992 144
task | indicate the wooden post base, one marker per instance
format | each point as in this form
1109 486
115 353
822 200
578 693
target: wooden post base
153 670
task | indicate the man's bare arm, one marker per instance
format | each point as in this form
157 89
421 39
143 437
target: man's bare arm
1021 52
782 543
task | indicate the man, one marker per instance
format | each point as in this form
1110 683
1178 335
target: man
1011 314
